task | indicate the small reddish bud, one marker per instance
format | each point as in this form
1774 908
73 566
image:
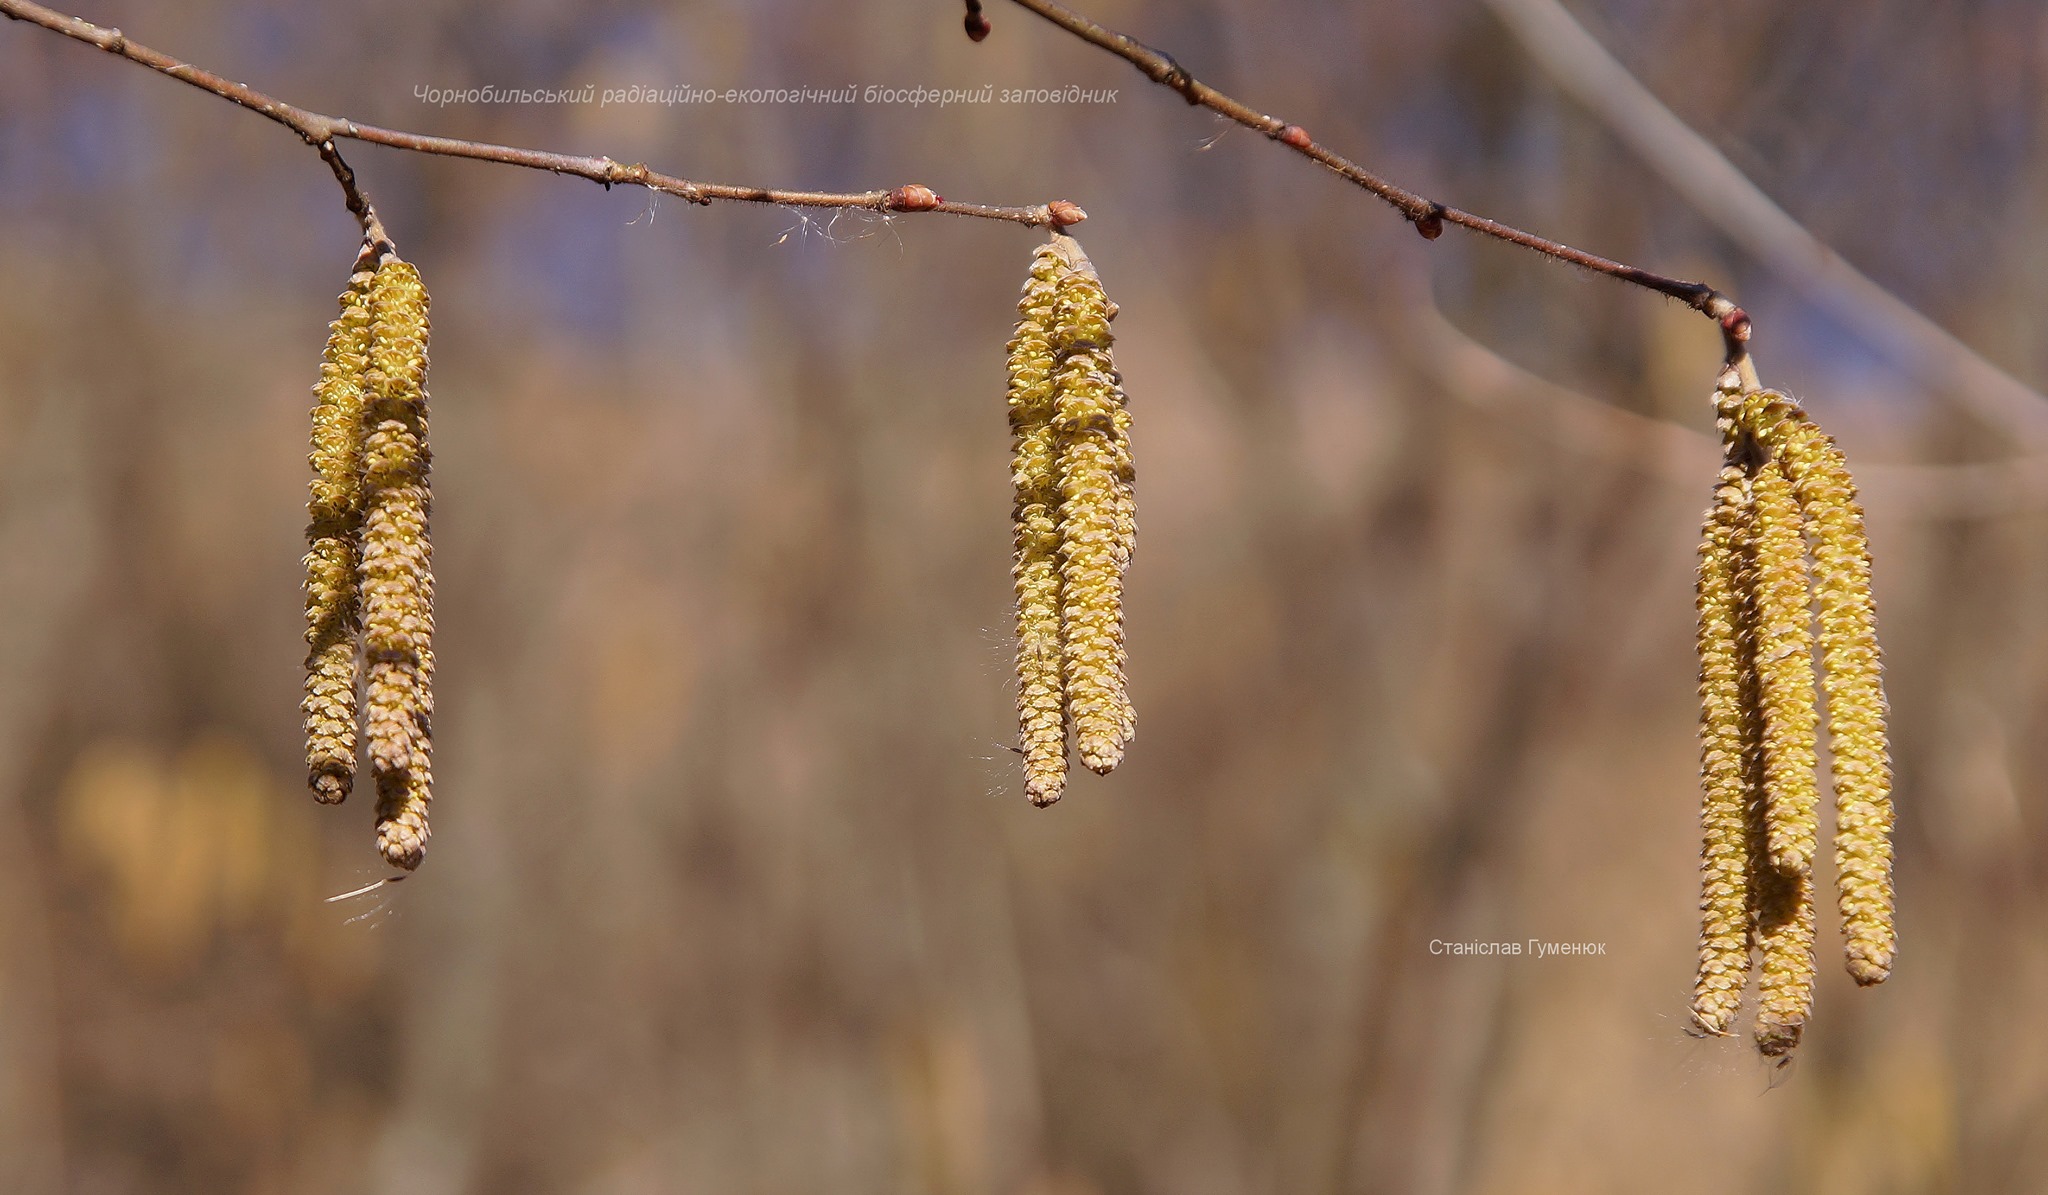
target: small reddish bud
977 25
1430 223
1295 136
913 197
1064 213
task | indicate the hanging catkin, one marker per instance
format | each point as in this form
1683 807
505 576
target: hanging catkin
334 511
1075 521
397 563
1727 650
1041 689
1851 676
1784 502
1097 519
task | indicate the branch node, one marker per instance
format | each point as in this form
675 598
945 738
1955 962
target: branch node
1735 325
1430 221
1172 74
911 197
614 172
1292 135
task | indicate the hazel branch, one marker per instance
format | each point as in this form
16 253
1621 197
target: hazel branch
1428 216
1585 70
320 131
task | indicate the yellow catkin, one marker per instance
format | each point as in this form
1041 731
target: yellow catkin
1727 740
334 514
1781 917
1041 691
397 563
1784 662
1851 676
1097 517
1126 515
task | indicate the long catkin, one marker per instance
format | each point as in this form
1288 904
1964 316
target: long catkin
1728 735
397 564
1852 677
1097 516
1041 688
334 512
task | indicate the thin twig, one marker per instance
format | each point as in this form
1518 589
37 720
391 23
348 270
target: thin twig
1427 215
1583 69
1577 422
320 131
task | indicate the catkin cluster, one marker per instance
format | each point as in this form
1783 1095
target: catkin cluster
1784 549
369 567
1075 521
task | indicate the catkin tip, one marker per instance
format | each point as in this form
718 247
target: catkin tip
402 829
1775 1040
331 787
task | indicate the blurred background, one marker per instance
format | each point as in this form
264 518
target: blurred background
733 888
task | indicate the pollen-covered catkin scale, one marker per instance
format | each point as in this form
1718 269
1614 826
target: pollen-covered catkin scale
334 514
1094 545
1851 676
1727 734
1784 662
396 571
1041 692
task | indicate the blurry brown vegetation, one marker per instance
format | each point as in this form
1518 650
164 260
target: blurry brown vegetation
734 888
